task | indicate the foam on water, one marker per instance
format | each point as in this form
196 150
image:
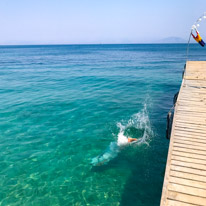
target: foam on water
138 124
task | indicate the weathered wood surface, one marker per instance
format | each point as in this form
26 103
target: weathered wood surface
185 174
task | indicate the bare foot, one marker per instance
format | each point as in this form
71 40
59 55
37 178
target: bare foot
132 139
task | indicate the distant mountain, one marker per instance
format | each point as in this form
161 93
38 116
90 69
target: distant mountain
172 40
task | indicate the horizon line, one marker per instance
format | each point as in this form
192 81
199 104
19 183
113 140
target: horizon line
88 44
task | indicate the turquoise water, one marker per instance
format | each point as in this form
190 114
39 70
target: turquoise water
62 106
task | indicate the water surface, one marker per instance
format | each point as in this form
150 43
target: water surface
61 106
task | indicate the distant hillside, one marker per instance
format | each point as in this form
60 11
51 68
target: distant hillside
172 40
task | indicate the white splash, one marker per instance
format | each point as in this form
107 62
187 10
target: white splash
121 139
140 121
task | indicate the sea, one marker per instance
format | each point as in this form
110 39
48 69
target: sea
64 110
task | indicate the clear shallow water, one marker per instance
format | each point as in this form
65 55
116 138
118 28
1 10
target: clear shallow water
61 106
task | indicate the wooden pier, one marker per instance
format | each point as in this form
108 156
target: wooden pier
185 175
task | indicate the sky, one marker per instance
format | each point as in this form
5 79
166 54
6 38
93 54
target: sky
96 22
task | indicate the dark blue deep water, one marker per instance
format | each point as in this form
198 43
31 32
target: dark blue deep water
61 106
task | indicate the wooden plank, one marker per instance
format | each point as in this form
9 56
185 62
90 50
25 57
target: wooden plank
189 165
189 176
188 159
191 109
197 125
191 139
186 90
197 74
191 91
190 122
187 87
188 170
194 74
193 77
183 113
195 68
188 150
194 101
189 134
191 82
187 190
201 132
189 125
187 154
194 109
196 97
186 182
190 128
195 90
187 142
190 199
192 104
187 95
191 86
178 203
187 128
198 148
